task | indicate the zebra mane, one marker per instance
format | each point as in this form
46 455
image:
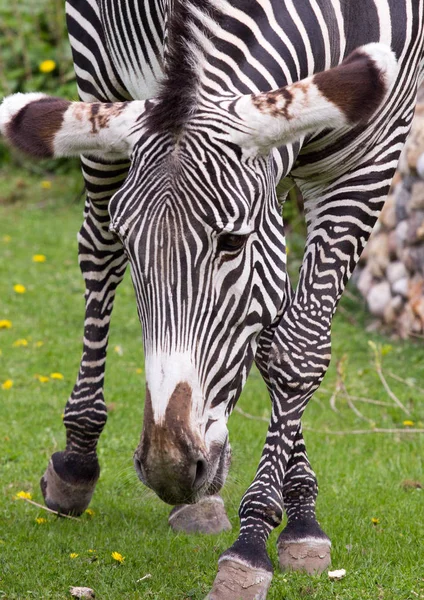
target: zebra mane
176 99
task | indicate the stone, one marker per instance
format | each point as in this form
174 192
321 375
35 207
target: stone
206 516
378 298
365 281
416 227
402 201
405 322
402 233
393 309
388 214
420 166
417 196
395 271
401 287
378 254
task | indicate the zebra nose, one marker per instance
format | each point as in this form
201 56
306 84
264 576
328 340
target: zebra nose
174 481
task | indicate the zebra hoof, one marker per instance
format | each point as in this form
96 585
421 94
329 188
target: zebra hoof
236 581
312 556
206 516
69 482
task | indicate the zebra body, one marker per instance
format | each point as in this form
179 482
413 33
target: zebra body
196 215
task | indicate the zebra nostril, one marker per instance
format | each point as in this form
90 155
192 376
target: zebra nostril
201 473
139 470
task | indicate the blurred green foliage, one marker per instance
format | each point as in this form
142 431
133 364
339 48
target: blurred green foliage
35 55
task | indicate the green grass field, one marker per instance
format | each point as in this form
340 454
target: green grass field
362 476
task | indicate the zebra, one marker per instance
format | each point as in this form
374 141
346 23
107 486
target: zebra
191 112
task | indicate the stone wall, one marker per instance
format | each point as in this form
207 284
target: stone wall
390 274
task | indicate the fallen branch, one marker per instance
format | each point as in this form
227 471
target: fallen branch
405 381
249 416
377 360
55 512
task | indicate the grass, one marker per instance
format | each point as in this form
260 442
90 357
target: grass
361 476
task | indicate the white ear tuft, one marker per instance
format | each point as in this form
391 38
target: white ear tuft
384 59
11 105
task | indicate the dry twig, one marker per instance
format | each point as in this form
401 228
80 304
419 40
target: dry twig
377 361
55 512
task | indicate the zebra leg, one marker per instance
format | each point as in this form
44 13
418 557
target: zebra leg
300 355
302 546
71 476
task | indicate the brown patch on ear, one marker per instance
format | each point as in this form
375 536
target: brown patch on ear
33 128
356 86
275 103
98 113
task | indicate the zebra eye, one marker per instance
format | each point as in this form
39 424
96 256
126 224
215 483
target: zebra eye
230 242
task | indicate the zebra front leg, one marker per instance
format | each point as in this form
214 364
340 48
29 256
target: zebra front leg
69 481
302 546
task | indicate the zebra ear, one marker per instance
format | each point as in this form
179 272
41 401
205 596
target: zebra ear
44 127
346 95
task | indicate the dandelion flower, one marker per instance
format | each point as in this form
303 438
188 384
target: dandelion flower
47 66
19 288
46 184
6 385
119 351
408 423
139 371
91 551
19 343
73 555
90 512
118 557
39 258
6 239
40 520
375 521
42 378
56 375
23 495
5 324
39 344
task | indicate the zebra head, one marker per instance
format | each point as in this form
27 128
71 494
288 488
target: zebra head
200 223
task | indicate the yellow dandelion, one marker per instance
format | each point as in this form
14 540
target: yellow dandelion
90 512
119 351
39 344
118 557
6 385
408 423
7 239
91 551
375 521
139 371
47 66
40 521
23 495
5 324
39 258
56 375
73 555
41 378
19 343
46 184
19 288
